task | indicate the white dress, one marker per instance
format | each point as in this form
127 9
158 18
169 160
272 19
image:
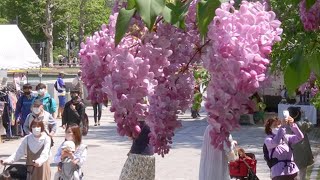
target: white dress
213 162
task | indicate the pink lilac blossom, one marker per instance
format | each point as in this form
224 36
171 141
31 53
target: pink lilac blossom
237 59
141 77
115 73
174 91
310 17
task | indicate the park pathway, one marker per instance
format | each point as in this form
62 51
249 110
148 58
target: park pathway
107 151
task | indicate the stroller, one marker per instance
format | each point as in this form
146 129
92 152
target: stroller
244 169
16 171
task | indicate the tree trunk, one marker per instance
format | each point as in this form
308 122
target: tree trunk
48 32
81 21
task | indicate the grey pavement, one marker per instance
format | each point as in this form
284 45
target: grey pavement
107 151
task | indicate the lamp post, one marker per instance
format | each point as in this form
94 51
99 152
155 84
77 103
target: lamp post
42 46
68 41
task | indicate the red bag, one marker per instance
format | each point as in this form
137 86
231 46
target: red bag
239 168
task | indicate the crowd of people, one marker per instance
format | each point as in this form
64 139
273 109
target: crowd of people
36 116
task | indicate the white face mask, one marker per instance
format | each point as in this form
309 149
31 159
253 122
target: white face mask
69 137
36 131
41 91
275 130
36 110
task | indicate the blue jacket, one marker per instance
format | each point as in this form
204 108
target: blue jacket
23 107
49 104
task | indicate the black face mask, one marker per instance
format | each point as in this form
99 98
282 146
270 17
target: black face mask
27 93
74 97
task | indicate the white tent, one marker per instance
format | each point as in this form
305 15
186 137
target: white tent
15 51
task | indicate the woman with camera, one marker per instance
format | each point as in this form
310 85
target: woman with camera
279 144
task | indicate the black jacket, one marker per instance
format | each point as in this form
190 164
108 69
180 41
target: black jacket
141 144
70 116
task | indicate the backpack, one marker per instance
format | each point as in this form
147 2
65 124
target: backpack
270 161
56 87
85 124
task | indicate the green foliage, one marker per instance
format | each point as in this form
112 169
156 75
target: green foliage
261 106
96 14
205 14
314 62
175 12
309 3
201 76
131 4
31 19
202 79
149 10
197 99
3 21
296 55
297 72
123 22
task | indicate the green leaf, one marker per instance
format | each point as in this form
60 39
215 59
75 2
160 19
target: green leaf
174 13
131 4
149 10
205 13
122 23
310 3
297 72
295 2
314 62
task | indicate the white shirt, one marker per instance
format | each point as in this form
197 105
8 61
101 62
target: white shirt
213 162
35 144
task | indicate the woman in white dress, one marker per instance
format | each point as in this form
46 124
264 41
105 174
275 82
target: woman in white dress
214 162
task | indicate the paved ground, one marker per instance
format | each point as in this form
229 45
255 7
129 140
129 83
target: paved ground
107 151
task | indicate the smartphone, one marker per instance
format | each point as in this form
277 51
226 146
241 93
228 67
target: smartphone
286 114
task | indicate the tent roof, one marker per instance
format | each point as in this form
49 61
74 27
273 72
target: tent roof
15 51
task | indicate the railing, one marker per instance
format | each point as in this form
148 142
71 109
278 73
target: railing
66 64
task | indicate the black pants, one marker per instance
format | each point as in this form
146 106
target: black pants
97 109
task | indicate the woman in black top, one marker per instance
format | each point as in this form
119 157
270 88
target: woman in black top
140 163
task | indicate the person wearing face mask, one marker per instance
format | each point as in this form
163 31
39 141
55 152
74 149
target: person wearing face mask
71 170
23 107
49 104
74 110
37 148
39 114
279 144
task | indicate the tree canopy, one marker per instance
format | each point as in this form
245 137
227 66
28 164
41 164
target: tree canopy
30 17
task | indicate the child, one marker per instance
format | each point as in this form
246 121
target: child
68 147
242 154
